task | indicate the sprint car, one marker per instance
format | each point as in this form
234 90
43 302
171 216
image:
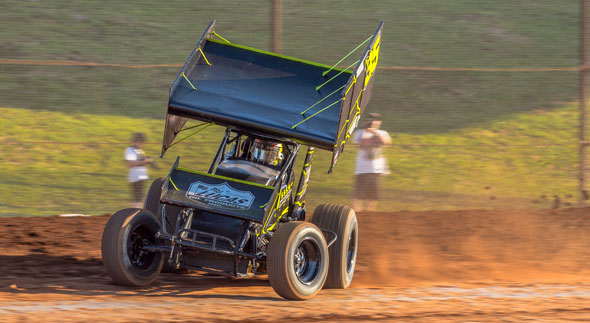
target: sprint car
246 214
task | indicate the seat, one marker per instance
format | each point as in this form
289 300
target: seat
247 171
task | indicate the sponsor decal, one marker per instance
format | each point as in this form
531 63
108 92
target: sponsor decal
280 200
284 194
220 195
354 124
336 154
372 59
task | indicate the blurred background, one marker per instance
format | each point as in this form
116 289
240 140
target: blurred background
480 97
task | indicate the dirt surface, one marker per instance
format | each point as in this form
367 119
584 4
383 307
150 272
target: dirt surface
432 266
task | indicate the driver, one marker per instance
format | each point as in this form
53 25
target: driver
267 152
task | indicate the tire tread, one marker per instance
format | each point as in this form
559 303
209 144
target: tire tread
277 258
334 217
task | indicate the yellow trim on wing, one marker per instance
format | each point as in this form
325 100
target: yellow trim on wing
351 85
170 179
205 57
189 82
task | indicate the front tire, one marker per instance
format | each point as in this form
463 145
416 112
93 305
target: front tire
297 260
123 238
342 220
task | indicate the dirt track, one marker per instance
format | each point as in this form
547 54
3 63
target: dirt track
413 266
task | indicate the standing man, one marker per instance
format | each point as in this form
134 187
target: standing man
370 163
137 163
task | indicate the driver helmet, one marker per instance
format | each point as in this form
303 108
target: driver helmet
267 153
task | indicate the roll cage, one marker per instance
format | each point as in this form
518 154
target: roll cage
239 200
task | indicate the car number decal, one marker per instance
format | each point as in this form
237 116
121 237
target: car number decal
220 195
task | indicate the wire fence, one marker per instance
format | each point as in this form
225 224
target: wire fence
391 68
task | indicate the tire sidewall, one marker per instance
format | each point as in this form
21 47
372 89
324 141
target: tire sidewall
313 233
134 274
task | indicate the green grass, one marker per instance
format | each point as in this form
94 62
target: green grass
89 174
466 33
462 139
480 170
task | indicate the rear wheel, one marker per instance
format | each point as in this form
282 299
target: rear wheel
123 255
342 220
297 260
152 204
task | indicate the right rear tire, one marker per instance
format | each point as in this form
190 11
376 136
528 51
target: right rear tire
152 204
297 260
342 220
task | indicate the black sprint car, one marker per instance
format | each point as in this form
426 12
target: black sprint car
246 215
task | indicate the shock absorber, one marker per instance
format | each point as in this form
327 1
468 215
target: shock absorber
299 201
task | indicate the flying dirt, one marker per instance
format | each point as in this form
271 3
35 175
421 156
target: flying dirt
431 266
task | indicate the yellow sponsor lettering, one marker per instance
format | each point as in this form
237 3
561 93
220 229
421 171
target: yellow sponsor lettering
371 61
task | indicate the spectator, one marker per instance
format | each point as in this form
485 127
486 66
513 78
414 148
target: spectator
137 163
370 163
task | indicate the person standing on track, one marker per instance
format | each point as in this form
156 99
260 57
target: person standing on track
137 163
370 163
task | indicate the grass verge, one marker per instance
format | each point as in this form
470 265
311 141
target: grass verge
56 162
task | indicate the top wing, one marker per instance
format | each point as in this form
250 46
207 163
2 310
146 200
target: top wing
239 86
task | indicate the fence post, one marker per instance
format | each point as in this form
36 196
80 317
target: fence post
584 96
277 26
